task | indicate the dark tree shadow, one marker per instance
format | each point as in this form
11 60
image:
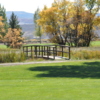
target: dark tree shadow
86 70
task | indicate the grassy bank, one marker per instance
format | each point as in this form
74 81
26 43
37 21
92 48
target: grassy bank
55 81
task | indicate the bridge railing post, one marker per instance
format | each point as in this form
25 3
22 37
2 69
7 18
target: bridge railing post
54 52
62 51
69 52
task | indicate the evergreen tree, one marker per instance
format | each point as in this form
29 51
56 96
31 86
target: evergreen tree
14 23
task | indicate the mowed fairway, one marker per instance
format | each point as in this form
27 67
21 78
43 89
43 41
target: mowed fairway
95 43
3 46
56 81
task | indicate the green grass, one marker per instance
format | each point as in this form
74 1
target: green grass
55 81
95 43
39 44
3 46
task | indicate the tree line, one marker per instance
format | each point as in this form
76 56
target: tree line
71 23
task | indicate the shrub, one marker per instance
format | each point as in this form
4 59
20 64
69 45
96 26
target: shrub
11 56
85 54
82 53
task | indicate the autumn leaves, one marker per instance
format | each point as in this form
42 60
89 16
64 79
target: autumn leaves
70 22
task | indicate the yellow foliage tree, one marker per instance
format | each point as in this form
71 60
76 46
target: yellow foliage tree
1 28
13 38
84 21
70 22
53 20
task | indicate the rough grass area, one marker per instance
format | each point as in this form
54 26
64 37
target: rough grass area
57 81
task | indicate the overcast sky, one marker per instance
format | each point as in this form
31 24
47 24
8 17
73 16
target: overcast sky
25 5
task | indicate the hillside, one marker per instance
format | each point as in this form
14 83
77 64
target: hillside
28 30
23 17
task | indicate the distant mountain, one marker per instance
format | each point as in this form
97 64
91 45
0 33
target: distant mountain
23 17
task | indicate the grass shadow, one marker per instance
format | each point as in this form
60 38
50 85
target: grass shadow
85 70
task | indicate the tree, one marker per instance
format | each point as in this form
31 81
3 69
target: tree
1 28
38 31
53 21
70 22
13 38
14 23
4 21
